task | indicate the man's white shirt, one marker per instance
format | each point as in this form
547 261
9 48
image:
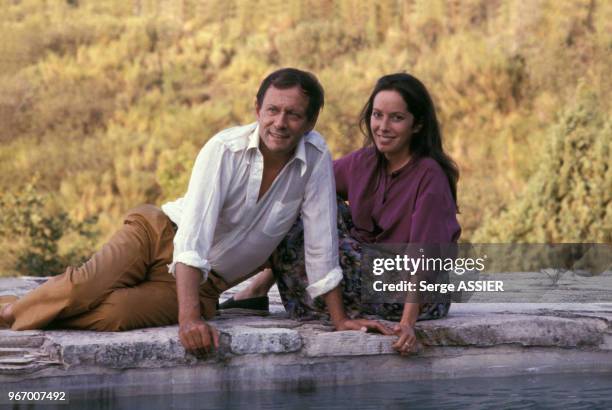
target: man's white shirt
222 226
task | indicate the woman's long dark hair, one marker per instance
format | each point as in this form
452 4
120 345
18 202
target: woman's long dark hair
427 141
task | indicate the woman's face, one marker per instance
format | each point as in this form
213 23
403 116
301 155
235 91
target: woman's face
392 124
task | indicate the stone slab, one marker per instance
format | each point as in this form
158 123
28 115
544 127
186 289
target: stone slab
249 340
276 352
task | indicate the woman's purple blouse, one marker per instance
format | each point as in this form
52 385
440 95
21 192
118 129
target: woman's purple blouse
412 205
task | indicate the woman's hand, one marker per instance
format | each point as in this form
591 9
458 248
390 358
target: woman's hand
407 341
364 325
333 299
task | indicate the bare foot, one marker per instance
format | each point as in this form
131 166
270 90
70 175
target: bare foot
6 311
261 284
249 293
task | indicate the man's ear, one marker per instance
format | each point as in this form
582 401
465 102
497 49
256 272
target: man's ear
256 105
312 123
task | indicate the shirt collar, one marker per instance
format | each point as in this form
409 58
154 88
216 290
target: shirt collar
300 150
300 154
254 139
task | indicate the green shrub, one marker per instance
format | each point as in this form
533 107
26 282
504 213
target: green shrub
33 233
568 198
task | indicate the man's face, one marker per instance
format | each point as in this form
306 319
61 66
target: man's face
282 120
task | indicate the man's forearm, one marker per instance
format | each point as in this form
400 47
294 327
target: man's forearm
187 289
333 300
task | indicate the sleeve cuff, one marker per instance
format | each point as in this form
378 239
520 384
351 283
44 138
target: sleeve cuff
191 258
329 282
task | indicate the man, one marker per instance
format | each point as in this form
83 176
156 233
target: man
248 186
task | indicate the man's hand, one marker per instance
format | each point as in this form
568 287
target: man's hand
407 341
364 325
198 337
195 334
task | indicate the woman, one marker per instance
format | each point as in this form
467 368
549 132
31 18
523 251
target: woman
401 187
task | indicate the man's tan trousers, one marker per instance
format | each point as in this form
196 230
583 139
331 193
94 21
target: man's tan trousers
126 285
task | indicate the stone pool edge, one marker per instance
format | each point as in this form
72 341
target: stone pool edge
274 352
278 353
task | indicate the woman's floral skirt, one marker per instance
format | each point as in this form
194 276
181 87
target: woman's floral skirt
289 270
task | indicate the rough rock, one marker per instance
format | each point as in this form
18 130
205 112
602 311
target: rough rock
277 352
250 340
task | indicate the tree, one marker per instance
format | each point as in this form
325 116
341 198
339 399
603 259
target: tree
568 199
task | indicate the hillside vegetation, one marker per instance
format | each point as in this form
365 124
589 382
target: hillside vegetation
105 104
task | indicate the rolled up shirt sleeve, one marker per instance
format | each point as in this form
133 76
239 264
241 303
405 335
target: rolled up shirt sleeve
319 211
201 208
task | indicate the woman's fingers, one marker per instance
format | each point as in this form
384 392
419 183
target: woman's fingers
364 325
406 341
400 342
376 326
409 344
385 330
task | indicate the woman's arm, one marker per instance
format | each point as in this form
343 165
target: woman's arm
333 300
434 221
406 341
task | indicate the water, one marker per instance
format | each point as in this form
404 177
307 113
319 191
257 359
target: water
561 391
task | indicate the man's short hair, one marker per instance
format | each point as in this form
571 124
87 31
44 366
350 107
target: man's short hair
290 77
